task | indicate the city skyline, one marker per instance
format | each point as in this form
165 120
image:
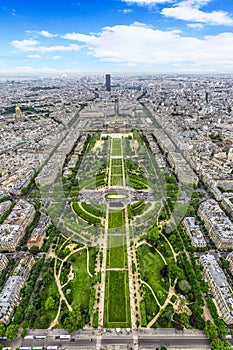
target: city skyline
128 36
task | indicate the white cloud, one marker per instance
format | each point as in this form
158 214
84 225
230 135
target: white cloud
13 12
46 34
125 11
195 25
146 2
190 11
32 45
72 47
195 3
139 44
56 57
34 56
24 45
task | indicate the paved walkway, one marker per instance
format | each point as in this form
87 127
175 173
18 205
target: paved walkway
59 286
103 272
130 274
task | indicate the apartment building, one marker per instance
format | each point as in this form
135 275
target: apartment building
13 228
194 232
217 223
3 262
230 259
10 294
219 287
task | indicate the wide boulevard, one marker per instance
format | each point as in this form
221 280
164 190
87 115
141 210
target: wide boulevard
119 340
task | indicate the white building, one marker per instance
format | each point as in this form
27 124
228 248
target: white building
194 232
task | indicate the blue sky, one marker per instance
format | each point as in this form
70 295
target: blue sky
87 36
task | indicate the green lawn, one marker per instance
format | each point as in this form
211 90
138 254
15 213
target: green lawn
136 182
90 218
150 266
116 147
116 180
165 250
117 306
151 305
116 221
81 284
116 172
116 162
116 255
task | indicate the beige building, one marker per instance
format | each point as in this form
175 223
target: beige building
230 259
3 262
219 287
13 228
217 223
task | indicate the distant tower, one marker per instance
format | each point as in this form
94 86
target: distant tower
108 82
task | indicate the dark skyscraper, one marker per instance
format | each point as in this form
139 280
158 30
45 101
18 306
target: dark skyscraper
108 82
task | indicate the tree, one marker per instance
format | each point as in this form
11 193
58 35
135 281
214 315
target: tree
29 312
34 250
47 278
43 321
19 314
184 286
24 332
218 344
222 330
175 271
159 294
50 303
211 330
2 329
74 320
225 264
12 331
153 236
164 271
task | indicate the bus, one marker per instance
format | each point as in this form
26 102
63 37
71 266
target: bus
29 337
65 336
37 347
41 336
25 348
52 347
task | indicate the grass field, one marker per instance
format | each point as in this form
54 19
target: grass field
152 307
116 255
116 147
117 306
116 180
116 221
116 162
116 172
81 284
150 266
137 182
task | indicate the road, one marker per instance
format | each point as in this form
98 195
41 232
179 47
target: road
146 340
